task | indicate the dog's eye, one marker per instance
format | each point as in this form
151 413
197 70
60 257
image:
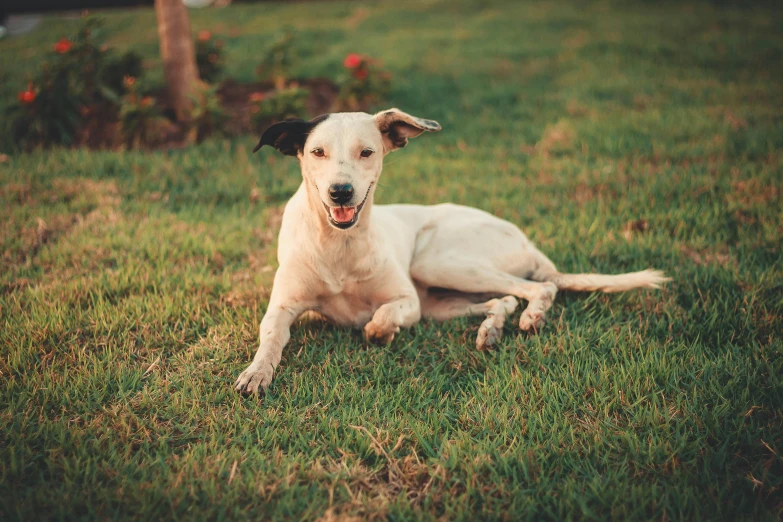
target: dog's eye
318 152
366 153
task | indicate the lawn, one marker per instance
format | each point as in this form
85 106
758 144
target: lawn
618 135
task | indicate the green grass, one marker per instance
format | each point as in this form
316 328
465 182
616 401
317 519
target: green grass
133 284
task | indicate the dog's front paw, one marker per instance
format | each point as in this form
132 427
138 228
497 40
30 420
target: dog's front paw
377 334
256 378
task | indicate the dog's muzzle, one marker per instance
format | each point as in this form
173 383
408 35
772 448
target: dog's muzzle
344 217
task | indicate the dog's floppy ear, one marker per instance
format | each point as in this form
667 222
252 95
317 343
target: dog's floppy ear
397 126
289 136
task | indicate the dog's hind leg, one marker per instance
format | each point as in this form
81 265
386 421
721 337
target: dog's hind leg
496 310
480 278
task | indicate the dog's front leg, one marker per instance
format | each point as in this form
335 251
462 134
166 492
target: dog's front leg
387 320
285 304
274 333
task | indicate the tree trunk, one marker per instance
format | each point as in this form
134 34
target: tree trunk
179 58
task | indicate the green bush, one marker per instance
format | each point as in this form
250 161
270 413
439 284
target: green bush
209 57
207 115
278 59
140 117
42 114
363 84
95 74
81 78
116 69
282 104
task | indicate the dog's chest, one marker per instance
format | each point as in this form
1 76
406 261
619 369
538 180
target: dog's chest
351 306
350 278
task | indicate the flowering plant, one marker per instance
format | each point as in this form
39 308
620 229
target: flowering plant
63 46
139 115
95 73
207 115
80 79
41 115
363 84
278 58
209 56
286 103
116 68
27 96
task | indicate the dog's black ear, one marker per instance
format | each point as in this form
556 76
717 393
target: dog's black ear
289 136
397 126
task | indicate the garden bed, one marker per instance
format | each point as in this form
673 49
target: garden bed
239 103
87 95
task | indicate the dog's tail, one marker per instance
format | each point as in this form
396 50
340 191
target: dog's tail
606 283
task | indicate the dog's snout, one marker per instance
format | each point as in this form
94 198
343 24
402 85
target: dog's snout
341 193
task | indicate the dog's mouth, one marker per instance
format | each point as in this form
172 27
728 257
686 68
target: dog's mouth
344 217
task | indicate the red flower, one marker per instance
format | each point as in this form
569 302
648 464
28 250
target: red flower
204 36
27 96
128 81
352 61
257 96
146 101
63 46
360 74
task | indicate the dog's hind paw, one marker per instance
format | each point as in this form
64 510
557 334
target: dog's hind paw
255 379
531 321
488 334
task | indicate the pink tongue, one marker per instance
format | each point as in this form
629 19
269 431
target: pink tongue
343 214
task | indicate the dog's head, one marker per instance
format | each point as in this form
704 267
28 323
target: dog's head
342 154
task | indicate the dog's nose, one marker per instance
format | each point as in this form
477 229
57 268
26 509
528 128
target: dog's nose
341 194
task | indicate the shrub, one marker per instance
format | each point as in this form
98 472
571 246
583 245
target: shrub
282 104
95 73
278 59
139 115
118 68
208 114
81 79
42 115
363 84
209 57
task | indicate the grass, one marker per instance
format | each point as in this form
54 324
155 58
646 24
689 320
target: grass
133 284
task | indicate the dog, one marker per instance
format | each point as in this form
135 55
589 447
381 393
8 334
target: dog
384 267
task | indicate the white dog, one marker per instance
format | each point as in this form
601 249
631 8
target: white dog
384 267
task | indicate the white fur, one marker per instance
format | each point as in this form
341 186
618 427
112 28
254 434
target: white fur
390 268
